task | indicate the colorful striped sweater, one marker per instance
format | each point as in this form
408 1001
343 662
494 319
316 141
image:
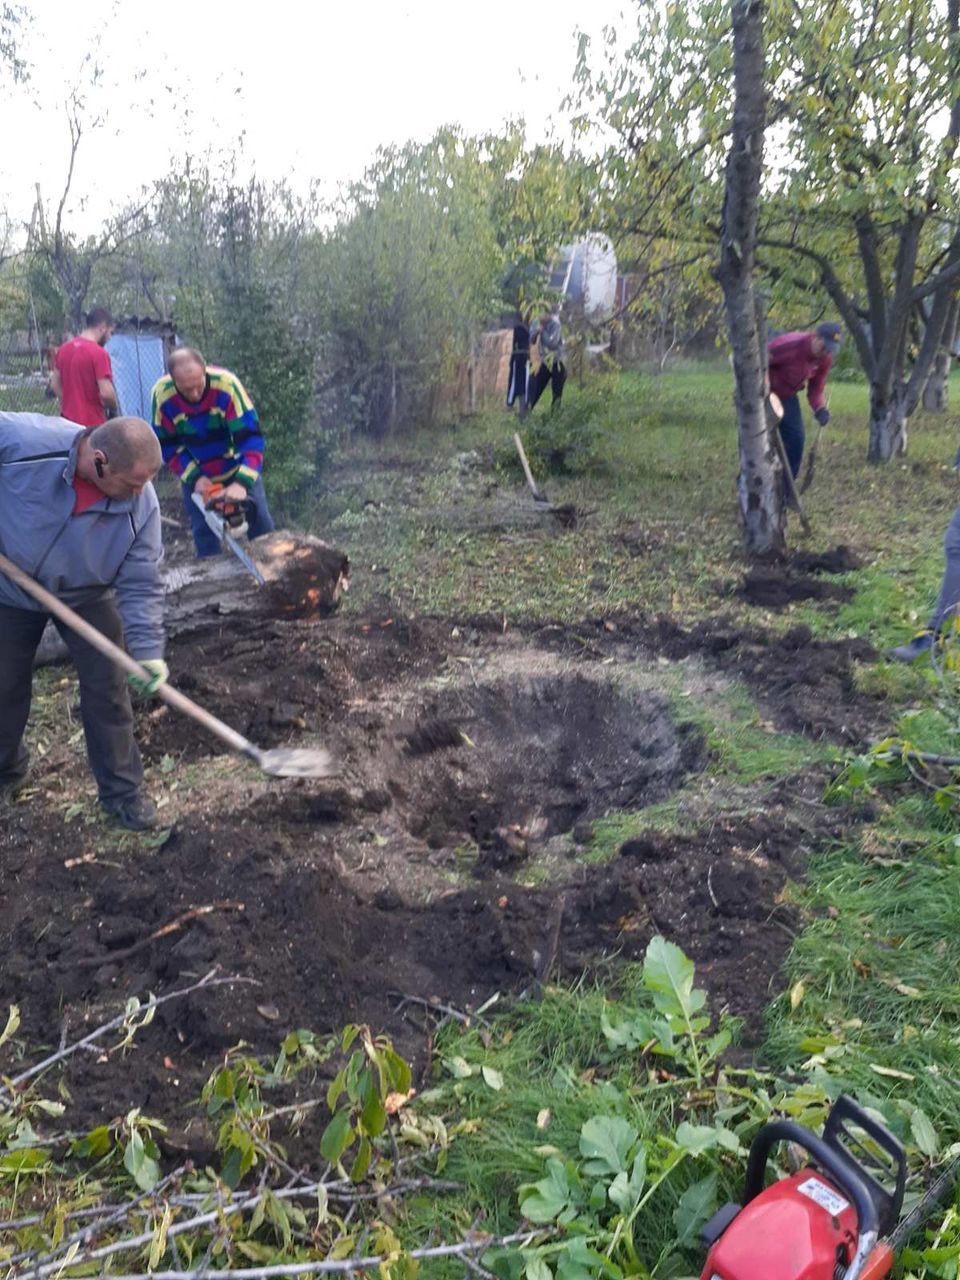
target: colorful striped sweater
218 437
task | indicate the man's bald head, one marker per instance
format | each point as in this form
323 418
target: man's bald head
121 457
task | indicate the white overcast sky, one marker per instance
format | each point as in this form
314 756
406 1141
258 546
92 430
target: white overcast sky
309 90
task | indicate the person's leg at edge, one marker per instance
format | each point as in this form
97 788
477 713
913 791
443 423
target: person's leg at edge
20 632
947 601
260 521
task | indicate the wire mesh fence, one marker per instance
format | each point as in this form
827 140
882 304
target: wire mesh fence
137 351
24 374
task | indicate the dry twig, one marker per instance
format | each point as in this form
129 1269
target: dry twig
205 983
173 927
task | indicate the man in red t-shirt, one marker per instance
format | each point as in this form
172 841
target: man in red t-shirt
83 376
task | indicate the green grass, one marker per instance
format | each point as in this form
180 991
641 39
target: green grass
557 1070
879 966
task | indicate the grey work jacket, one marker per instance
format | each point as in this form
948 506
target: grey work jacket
113 545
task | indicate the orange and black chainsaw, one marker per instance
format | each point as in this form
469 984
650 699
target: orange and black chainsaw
228 519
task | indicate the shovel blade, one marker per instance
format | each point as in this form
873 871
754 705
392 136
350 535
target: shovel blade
298 762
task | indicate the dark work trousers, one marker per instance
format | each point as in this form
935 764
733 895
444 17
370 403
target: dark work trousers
950 589
104 697
556 376
259 521
517 386
791 432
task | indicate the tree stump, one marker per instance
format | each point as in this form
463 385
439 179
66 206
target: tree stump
305 579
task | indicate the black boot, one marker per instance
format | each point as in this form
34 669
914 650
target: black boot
136 812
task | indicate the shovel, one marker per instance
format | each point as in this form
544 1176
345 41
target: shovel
775 414
281 762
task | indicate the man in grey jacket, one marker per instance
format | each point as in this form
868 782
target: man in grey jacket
79 514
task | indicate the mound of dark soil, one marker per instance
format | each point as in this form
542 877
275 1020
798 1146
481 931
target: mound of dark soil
803 684
776 588
840 560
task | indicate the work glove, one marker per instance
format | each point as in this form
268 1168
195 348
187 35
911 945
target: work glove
822 415
159 674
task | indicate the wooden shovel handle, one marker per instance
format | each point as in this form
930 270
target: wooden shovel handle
173 697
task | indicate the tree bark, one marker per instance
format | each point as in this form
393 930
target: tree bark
760 483
305 579
936 391
888 424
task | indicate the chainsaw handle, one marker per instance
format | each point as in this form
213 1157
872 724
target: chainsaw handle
835 1162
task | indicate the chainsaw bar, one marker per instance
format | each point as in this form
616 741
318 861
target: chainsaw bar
219 526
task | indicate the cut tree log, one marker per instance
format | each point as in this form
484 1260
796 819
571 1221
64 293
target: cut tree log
305 579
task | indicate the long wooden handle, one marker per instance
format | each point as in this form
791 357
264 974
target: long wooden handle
526 468
173 697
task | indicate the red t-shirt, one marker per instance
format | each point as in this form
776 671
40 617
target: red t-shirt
81 362
87 495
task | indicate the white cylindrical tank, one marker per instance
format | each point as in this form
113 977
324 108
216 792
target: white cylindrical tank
590 268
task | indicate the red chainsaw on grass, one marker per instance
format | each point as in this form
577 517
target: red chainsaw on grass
834 1219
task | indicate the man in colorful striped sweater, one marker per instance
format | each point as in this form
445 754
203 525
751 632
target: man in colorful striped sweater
210 435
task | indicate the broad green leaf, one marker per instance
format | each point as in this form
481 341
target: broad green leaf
669 975
335 1088
580 1254
626 1191
697 1138
373 1117
362 1161
93 1145
23 1161
545 1200
924 1134
398 1071
605 1142
696 1205
141 1166
336 1137
627 1032
537 1269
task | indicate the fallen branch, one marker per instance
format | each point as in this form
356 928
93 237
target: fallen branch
327 1266
116 1214
174 926
208 981
435 1006
552 939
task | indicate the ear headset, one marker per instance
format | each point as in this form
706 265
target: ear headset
99 466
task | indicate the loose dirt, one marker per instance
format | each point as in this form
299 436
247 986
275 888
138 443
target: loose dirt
466 755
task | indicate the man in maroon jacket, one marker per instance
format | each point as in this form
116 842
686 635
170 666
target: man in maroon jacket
798 360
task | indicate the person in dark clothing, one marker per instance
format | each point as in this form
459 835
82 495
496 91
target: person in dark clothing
549 339
946 609
519 365
798 360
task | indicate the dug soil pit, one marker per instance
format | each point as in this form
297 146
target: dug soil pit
510 763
